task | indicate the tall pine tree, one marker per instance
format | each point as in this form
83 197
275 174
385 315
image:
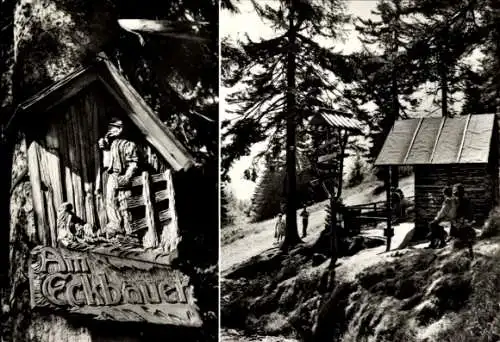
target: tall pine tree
284 80
384 61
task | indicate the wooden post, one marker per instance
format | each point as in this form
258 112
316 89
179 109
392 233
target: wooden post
150 238
334 243
395 176
389 232
38 197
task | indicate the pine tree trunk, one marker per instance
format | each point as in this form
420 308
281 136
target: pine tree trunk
395 104
291 233
443 74
395 100
51 39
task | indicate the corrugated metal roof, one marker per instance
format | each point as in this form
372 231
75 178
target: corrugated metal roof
459 140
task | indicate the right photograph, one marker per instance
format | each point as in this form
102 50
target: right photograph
360 170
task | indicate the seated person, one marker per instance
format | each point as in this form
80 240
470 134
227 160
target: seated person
447 212
464 220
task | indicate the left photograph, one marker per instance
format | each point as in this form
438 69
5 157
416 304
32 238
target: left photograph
109 146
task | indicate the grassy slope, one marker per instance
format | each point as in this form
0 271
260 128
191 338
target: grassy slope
427 295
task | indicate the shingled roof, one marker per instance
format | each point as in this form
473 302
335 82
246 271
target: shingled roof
27 114
458 140
337 120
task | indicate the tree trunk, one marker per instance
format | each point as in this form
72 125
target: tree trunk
51 39
395 99
291 233
443 76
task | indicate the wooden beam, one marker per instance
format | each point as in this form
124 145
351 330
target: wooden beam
388 230
145 119
437 140
150 238
413 140
36 192
180 30
460 150
50 97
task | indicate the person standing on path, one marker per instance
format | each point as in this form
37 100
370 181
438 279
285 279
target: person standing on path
305 221
279 229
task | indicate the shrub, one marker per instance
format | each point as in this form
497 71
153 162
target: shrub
492 225
357 173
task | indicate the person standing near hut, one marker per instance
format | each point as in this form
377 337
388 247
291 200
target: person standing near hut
305 221
396 202
121 161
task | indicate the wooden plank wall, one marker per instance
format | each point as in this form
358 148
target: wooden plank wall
478 181
64 161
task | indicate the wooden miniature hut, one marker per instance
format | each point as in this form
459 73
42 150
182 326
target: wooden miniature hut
332 130
100 165
63 124
443 152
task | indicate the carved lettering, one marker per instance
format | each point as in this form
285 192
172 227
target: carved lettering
180 290
168 293
131 294
49 255
90 290
71 291
52 285
150 293
77 264
111 292
92 283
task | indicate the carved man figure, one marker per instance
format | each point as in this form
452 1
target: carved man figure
121 161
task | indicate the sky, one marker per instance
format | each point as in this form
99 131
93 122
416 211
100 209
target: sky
236 26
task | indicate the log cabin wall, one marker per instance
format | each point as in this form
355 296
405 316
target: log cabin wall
478 180
65 162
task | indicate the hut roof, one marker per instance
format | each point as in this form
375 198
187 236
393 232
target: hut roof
337 120
137 110
458 140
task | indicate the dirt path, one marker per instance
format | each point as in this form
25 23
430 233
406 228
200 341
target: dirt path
262 239
259 237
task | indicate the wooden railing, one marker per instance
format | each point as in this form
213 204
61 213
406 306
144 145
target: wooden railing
374 211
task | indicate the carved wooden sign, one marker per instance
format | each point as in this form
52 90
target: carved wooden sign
101 167
110 288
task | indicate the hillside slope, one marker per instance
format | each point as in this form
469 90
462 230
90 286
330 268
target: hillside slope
241 242
413 294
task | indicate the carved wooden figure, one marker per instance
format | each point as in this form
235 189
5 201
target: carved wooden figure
101 173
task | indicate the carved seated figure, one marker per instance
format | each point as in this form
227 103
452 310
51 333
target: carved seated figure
71 228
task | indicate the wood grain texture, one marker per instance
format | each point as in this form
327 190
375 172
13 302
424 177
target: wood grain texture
150 239
170 235
110 288
38 197
145 119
